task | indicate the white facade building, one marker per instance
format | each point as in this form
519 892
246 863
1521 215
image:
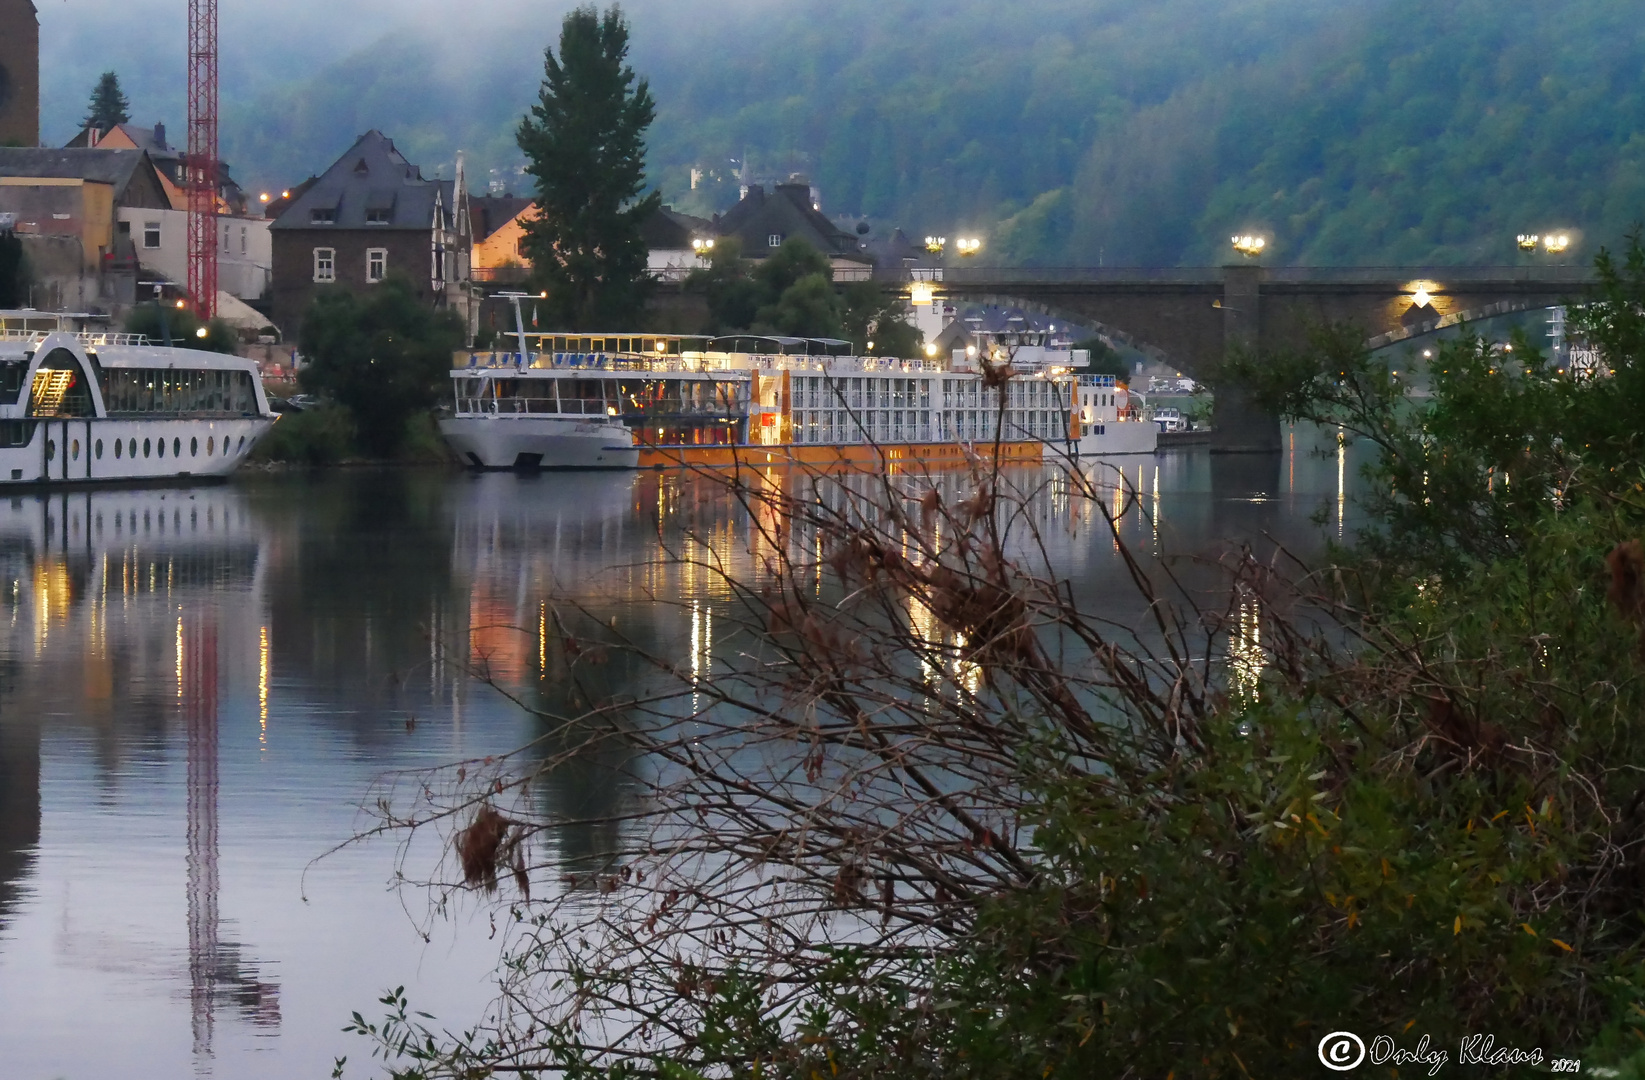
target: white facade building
245 252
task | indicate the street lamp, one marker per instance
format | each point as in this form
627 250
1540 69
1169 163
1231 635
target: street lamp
702 246
1249 245
1555 244
1528 241
935 244
967 245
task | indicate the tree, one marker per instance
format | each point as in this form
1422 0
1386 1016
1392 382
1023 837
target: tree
584 143
1103 359
181 327
793 292
108 105
383 355
732 294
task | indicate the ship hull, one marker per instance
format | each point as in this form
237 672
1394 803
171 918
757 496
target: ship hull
540 442
1119 437
105 450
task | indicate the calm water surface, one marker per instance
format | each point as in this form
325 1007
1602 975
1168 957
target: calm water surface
198 688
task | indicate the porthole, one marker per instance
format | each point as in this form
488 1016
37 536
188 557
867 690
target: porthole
97 448
194 447
211 446
177 447
159 447
145 447
51 450
242 442
119 448
74 450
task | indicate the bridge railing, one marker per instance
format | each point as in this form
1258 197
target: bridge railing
1444 276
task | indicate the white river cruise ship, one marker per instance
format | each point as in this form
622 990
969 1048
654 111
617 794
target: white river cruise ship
80 407
648 400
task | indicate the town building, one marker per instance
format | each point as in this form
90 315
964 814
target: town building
370 215
676 243
160 236
73 210
498 225
762 221
19 73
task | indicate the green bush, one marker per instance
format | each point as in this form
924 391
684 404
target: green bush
383 354
323 435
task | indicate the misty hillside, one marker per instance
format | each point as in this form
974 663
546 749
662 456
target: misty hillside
1063 131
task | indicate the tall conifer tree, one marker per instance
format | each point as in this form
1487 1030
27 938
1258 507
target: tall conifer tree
108 105
585 145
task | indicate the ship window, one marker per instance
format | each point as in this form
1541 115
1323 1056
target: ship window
194 447
11 382
145 448
119 448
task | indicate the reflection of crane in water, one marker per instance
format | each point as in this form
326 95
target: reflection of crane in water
216 974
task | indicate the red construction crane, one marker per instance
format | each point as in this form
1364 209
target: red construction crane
201 178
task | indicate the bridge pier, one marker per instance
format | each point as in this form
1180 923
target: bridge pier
1240 427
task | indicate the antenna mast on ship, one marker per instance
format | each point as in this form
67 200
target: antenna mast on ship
201 165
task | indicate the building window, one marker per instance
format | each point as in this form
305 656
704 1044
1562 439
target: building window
376 263
151 234
379 216
774 240
325 264
242 239
323 217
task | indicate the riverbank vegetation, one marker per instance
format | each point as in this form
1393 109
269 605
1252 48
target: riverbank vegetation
925 815
378 362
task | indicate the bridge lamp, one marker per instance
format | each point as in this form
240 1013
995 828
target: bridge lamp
1249 245
1422 298
1555 244
967 245
1529 241
922 294
702 246
935 244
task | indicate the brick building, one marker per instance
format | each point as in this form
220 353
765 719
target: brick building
19 74
371 214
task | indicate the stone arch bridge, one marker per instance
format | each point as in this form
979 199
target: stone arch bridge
1188 316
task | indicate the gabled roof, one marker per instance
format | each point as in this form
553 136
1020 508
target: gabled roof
670 230
786 212
488 213
371 176
117 168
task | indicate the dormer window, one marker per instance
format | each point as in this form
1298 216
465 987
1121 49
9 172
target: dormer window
323 217
774 240
378 215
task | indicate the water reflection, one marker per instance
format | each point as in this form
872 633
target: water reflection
198 686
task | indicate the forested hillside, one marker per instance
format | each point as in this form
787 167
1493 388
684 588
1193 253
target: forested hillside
1063 131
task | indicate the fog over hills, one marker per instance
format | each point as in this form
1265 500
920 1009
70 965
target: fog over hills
1063 131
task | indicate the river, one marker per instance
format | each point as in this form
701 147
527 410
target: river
200 687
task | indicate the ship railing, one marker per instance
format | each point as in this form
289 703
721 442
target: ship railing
85 337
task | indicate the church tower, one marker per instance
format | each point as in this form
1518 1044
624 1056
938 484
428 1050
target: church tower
19 73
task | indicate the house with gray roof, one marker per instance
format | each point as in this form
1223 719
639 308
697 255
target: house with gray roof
762 221
66 206
369 215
